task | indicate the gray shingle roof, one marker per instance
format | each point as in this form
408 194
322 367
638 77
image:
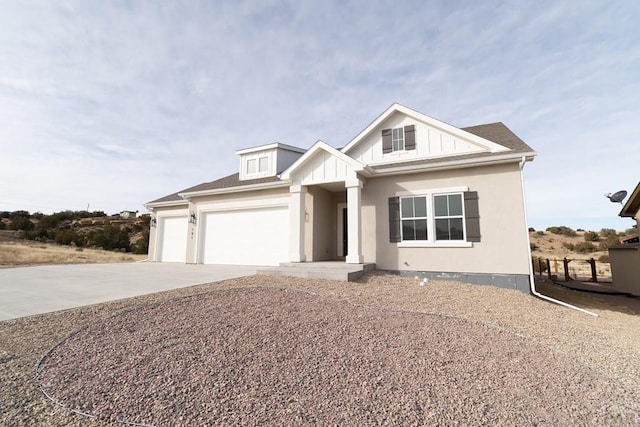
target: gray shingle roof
495 132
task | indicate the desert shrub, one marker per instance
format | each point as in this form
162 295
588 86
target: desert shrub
109 238
608 232
49 221
632 230
141 246
531 229
21 223
3 226
540 233
565 231
604 258
609 241
584 247
533 246
579 229
539 264
5 214
591 236
65 237
568 245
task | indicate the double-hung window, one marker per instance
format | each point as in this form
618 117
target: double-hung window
397 139
448 217
413 211
258 166
435 218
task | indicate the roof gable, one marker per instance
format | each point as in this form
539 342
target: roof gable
322 163
431 138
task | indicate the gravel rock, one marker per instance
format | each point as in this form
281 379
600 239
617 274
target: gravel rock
381 351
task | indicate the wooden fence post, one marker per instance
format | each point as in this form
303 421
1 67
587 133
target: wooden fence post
566 262
548 269
594 275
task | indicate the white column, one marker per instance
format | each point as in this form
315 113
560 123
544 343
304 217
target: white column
296 223
354 216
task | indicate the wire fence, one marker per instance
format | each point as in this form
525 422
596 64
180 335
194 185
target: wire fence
568 269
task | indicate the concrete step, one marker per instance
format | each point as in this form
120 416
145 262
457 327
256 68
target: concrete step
330 271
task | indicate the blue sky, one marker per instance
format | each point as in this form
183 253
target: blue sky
116 103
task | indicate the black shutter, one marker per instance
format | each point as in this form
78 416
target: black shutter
386 141
410 137
472 216
394 219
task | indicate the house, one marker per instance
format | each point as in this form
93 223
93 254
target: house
625 259
409 193
128 214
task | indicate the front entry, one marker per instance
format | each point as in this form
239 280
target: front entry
345 232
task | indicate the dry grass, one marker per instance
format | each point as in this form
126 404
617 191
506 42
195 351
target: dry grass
14 254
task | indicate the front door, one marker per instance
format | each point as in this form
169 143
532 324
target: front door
345 232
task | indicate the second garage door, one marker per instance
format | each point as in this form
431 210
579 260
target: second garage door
245 237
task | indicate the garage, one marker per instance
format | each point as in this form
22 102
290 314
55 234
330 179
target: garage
173 239
245 237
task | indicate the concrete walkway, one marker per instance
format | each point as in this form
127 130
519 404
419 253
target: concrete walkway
25 291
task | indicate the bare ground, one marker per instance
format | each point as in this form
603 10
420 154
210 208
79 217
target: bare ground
381 351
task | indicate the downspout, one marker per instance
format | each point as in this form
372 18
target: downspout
531 272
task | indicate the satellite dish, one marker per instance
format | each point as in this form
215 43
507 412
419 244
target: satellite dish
617 197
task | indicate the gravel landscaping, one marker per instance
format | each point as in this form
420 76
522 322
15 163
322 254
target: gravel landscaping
266 350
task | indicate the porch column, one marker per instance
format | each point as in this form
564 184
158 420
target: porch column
296 223
354 227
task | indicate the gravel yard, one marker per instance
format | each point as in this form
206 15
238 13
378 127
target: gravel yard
267 350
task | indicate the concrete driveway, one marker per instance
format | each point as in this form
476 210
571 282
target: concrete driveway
25 291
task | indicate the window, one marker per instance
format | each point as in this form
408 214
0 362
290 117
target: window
448 217
251 166
397 139
263 164
413 214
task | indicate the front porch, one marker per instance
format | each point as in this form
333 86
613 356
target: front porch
330 270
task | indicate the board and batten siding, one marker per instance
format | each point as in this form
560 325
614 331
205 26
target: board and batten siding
430 142
323 167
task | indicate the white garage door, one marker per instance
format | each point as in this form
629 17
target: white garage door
173 243
246 237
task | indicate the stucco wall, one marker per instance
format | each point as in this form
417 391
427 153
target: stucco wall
625 268
503 246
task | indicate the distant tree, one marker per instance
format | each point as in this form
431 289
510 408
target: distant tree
3 226
540 233
608 232
5 214
19 214
591 236
49 221
110 238
584 247
141 246
65 237
608 242
531 229
568 245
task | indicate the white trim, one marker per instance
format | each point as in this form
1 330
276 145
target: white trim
242 205
152 205
414 159
340 227
236 189
425 192
455 164
435 244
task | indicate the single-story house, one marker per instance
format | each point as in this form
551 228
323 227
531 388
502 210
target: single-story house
625 259
409 193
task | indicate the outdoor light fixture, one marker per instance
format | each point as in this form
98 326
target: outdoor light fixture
153 222
192 218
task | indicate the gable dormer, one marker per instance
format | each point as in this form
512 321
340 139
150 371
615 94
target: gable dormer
401 134
267 160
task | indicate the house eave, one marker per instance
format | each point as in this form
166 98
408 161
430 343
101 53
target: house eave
236 189
631 208
457 164
152 205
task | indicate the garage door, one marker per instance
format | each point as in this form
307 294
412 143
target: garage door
246 237
173 244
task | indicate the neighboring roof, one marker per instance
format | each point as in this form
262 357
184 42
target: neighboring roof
494 132
632 206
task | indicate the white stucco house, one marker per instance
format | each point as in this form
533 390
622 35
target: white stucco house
409 194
